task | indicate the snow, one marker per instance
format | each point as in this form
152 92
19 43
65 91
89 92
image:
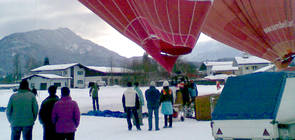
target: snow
250 60
218 77
49 76
54 67
266 68
109 69
115 128
8 85
224 68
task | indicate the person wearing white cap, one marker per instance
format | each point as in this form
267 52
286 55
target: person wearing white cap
152 96
166 100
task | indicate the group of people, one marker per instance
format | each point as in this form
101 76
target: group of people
59 117
133 101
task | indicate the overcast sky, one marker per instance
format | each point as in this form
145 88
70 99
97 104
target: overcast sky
27 15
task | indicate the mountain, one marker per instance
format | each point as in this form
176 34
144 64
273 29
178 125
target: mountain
211 50
60 46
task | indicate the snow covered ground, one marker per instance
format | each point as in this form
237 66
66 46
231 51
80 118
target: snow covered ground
114 128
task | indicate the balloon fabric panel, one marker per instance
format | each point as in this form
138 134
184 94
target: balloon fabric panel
264 28
164 28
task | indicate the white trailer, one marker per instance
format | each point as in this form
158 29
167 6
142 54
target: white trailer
256 106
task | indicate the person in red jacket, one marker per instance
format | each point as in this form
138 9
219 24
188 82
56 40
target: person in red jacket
66 116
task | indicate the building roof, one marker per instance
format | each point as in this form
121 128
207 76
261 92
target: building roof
54 67
224 68
250 60
109 69
251 96
47 76
266 69
218 63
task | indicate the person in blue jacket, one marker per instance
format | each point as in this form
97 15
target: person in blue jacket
152 96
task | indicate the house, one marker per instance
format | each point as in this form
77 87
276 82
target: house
212 68
43 81
75 71
256 106
248 64
107 75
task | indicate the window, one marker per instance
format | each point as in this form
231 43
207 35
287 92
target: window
80 72
57 84
32 85
254 67
80 82
65 72
43 86
247 68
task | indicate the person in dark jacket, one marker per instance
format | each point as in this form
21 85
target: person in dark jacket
94 94
183 87
152 96
66 116
21 112
131 103
45 114
166 100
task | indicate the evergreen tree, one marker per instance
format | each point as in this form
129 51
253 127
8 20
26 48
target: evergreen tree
17 68
46 61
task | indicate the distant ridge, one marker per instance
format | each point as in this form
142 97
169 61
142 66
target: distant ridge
212 50
60 46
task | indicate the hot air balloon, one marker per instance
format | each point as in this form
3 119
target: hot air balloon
165 29
264 28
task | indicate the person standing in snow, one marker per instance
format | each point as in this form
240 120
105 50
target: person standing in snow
34 91
218 85
131 103
183 87
152 96
45 114
193 94
166 100
66 116
94 94
21 112
141 102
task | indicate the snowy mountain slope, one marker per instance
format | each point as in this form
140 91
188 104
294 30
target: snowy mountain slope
60 46
211 50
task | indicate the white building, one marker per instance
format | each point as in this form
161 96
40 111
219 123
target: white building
75 71
43 81
219 67
107 75
248 64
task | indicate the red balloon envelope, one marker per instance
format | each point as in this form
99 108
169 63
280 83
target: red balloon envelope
264 28
164 28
